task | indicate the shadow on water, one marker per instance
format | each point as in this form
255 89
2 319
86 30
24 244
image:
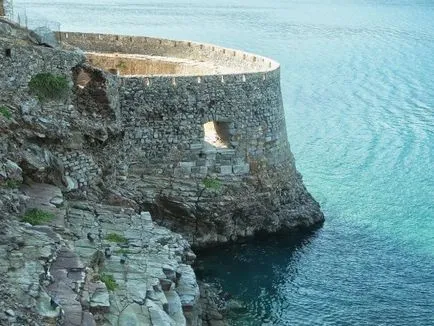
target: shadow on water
253 268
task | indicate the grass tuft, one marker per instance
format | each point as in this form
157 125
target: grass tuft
210 183
37 217
10 184
114 237
5 112
109 282
47 86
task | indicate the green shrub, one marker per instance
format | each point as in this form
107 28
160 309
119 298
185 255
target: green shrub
123 251
210 183
47 86
121 65
109 282
5 112
114 237
36 216
11 184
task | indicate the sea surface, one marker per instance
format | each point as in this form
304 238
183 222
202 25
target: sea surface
358 88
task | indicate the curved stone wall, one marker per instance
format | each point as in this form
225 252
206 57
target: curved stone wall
162 113
165 112
233 61
133 65
164 158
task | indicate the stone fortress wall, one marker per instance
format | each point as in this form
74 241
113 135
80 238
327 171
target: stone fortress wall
235 60
165 106
207 152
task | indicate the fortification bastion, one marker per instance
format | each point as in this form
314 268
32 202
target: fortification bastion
204 134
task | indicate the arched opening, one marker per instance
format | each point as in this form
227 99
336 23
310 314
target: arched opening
217 133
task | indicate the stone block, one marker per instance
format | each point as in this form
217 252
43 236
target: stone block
224 169
209 162
241 169
199 170
203 170
186 166
201 162
226 152
223 161
196 146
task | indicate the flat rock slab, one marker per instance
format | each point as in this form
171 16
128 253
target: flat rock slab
42 194
146 266
67 271
48 198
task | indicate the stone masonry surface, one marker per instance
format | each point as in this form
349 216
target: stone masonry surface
163 117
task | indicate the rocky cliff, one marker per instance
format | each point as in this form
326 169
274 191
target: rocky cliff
86 157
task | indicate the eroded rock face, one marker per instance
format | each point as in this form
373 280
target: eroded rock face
25 254
95 264
149 264
10 171
236 208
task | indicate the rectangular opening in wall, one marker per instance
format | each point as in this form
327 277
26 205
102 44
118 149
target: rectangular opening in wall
8 53
82 79
217 133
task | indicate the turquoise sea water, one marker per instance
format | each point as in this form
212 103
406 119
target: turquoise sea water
358 88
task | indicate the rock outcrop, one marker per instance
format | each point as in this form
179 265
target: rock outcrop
93 264
91 155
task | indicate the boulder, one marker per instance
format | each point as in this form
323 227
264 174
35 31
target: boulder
44 36
100 298
10 171
41 165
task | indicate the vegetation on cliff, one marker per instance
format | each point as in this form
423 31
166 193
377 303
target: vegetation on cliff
109 282
114 237
37 217
5 112
47 86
